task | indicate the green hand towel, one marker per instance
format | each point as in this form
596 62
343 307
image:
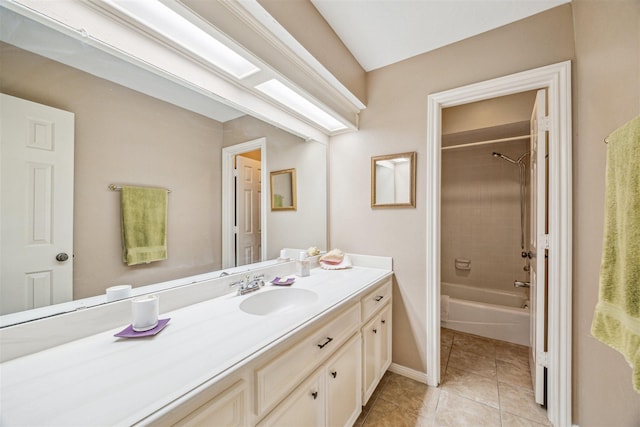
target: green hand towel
617 316
144 224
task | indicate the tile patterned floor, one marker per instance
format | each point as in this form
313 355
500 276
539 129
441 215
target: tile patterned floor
485 383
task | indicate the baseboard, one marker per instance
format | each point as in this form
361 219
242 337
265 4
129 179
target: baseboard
408 372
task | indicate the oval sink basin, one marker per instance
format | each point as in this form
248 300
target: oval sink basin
277 301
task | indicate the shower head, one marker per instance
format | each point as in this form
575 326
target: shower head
503 157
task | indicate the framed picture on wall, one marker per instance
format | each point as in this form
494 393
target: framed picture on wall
283 190
393 180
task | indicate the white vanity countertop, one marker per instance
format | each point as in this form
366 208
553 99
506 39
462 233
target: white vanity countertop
105 380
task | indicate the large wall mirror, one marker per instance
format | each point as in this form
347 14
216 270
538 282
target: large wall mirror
393 180
127 132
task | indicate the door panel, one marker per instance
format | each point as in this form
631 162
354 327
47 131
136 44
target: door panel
248 201
537 244
36 200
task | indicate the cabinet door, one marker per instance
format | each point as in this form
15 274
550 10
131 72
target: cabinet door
304 407
370 357
343 374
385 339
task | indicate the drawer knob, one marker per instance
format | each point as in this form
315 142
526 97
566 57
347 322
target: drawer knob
329 339
383 321
379 297
314 394
334 374
375 331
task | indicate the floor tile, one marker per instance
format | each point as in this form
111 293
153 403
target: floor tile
446 336
471 362
481 346
514 374
378 390
513 353
475 387
520 402
454 410
510 420
485 382
444 359
388 414
411 395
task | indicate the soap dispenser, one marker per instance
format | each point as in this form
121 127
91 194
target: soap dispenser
302 265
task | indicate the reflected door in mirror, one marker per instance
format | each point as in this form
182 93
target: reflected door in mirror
37 224
248 194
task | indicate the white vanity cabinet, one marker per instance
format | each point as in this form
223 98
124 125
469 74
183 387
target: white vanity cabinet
328 397
279 376
376 338
217 364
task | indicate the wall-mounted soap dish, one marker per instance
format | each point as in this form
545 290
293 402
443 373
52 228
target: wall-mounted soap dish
462 264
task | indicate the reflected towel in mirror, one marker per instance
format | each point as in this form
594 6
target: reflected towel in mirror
144 224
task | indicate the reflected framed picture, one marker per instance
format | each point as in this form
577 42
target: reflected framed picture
393 180
283 190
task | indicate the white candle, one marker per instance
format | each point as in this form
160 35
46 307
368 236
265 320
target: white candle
145 312
115 293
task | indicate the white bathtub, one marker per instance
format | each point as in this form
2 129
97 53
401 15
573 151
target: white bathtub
491 313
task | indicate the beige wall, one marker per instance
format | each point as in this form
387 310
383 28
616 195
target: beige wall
606 90
124 137
306 226
395 121
308 27
606 95
504 110
480 212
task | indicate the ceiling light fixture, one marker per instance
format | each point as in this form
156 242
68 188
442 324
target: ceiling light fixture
296 102
173 26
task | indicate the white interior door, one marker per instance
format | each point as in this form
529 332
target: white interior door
36 205
248 202
537 357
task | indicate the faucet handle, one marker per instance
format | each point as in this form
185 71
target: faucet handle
239 282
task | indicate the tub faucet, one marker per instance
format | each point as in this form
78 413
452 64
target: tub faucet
519 284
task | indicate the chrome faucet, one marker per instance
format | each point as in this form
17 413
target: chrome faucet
249 285
519 284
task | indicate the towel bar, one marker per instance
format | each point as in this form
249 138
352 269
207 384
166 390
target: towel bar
114 187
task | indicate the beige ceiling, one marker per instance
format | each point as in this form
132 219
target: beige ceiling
382 32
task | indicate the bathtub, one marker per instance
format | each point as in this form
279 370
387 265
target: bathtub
491 313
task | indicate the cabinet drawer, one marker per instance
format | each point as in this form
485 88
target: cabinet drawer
228 409
278 377
375 299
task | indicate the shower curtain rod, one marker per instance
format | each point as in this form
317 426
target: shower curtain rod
491 141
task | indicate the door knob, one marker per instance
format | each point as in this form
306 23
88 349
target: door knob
62 257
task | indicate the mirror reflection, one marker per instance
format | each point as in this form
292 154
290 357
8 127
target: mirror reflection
393 180
122 135
283 190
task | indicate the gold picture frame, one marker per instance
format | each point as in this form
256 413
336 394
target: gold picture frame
393 180
283 190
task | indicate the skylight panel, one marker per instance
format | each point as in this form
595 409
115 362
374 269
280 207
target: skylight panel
173 26
296 102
